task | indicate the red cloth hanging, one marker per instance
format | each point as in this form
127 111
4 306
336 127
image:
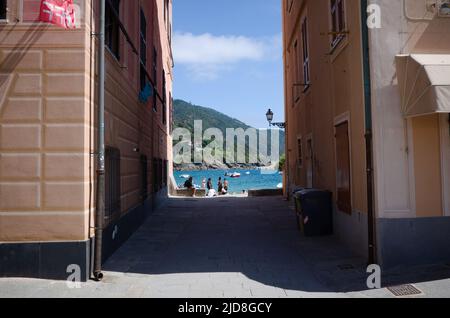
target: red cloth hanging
58 12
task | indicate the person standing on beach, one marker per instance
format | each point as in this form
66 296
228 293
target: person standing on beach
209 184
204 183
225 186
219 186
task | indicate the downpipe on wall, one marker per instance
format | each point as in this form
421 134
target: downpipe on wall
372 250
100 201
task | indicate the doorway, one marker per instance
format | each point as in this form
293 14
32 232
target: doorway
343 176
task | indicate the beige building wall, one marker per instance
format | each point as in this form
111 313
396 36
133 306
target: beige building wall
427 166
411 155
409 152
44 130
335 95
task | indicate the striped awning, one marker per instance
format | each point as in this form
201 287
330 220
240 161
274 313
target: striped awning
424 83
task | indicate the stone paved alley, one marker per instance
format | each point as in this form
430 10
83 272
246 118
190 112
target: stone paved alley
231 247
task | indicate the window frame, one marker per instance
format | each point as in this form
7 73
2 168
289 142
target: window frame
164 106
306 54
290 4
3 10
113 204
112 28
155 77
143 25
295 48
338 22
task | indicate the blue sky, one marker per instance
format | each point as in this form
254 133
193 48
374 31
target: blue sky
228 56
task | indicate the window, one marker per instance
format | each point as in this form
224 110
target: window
144 178
155 77
166 11
337 21
295 89
170 113
289 5
164 107
167 19
159 174
143 47
299 152
343 180
444 8
306 71
165 172
3 9
112 184
112 26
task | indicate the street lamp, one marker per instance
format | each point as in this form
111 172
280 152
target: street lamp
269 116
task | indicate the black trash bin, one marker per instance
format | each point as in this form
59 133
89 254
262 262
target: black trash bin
314 212
296 199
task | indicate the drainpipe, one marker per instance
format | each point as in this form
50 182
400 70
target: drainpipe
100 202
372 257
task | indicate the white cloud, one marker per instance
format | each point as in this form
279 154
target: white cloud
207 55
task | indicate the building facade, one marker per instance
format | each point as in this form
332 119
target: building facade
366 102
49 124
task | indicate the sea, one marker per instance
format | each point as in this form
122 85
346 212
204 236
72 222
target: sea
249 180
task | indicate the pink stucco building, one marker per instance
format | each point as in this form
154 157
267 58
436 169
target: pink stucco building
48 84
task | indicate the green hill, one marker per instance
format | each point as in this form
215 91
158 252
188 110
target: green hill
185 113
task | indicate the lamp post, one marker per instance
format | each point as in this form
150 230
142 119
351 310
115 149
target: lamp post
269 116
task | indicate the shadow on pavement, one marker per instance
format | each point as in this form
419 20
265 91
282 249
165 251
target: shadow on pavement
257 237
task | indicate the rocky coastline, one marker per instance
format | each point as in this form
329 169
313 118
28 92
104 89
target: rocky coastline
214 166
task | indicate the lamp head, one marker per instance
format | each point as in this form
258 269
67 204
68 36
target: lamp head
269 116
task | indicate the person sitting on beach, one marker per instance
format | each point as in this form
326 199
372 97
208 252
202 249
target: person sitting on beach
189 184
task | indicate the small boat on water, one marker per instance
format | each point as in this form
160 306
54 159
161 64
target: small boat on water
280 186
233 175
247 173
185 176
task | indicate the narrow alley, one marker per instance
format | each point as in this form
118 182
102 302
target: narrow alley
230 247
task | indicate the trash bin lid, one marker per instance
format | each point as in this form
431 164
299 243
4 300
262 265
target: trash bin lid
298 189
313 193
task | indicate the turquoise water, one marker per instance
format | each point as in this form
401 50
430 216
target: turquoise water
253 181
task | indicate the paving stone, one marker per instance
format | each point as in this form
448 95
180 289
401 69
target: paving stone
232 248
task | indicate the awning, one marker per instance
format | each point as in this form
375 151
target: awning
424 83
